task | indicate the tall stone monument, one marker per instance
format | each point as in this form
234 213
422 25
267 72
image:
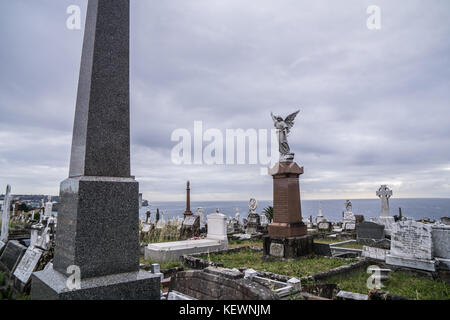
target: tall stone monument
5 218
98 219
188 211
287 234
384 193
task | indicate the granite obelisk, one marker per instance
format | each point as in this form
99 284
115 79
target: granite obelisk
98 218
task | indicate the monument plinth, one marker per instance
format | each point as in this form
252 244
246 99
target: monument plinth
287 211
98 219
287 234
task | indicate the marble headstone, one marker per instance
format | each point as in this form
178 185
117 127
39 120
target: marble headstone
28 264
412 245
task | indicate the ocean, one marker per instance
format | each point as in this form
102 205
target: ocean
415 208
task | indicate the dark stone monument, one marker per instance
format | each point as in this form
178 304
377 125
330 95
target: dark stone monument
287 236
188 211
98 221
11 256
368 232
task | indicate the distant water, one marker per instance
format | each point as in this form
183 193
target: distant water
332 209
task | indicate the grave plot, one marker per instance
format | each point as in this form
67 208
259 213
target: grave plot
401 283
251 258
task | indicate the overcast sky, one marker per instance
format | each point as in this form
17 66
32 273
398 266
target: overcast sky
375 104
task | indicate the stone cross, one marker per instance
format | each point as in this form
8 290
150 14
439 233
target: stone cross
6 215
384 193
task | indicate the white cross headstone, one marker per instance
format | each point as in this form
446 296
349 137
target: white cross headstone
384 193
6 215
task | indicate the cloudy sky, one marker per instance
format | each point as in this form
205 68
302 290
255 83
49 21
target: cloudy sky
375 104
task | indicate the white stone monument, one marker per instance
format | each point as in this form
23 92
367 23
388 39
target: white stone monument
48 207
384 193
5 217
320 218
349 221
201 214
412 246
171 251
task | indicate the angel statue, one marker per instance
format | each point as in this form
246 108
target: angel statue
283 128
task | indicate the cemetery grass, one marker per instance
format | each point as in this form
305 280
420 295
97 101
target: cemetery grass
400 283
247 258
351 245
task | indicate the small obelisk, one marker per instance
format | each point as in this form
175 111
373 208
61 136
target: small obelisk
98 218
188 211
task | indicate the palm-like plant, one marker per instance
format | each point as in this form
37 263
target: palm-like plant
268 212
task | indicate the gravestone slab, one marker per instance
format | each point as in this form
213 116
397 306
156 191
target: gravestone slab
374 253
367 231
11 255
28 264
412 239
441 241
324 226
412 246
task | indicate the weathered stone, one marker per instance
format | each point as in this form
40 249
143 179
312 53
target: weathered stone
294 247
28 264
207 286
412 239
11 256
368 231
98 218
441 241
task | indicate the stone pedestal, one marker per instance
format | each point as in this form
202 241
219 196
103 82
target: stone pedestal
288 248
287 212
287 234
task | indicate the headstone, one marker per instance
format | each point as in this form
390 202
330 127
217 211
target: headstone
140 200
384 193
5 217
11 256
320 217
324 226
253 218
374 253
367 231
441 241
28 264
98 217
277 250
217 228
48 207
412 246
201 214
191 226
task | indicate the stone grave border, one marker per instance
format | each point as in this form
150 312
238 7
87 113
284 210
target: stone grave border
193 261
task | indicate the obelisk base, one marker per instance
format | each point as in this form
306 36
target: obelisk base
50 284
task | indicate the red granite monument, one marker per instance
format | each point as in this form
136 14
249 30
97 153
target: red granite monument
287 237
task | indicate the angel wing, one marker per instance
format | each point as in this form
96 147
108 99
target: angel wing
274 118
290 119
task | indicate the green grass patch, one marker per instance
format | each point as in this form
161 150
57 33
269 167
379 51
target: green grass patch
247 258
351 245
400 283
